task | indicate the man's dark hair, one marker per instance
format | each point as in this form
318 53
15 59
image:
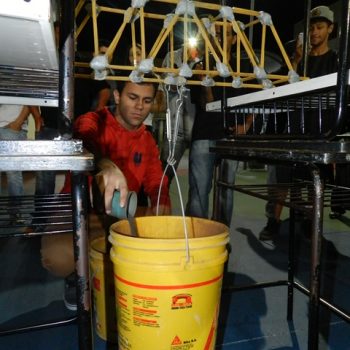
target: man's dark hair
121 84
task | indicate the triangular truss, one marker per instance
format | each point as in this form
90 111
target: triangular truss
185 13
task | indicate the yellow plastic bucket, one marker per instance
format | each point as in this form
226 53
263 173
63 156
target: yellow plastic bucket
167 299
103 291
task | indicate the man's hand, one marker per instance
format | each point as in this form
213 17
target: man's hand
110 179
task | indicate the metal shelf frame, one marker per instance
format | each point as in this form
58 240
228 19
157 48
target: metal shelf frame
51 86
310 150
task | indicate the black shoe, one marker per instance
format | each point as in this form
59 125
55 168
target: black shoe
70 293
270 230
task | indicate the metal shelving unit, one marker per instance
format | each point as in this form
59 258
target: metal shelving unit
313 114
33 73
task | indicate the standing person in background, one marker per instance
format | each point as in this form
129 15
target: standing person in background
321 60
207 129
13 127
45 181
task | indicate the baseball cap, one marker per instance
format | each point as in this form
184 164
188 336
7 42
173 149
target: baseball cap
321 12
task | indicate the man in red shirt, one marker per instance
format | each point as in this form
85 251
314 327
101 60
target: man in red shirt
127 158
125 152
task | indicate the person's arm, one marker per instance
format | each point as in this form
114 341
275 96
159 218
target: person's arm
109 179
18 122
298 55
242 129
34 110
103 98
159 104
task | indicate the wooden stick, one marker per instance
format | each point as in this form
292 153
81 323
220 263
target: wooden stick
185 40
127 17
82 26
245 43
94 26
263 42
224 42
142 28
78 7
133 43
281 47
204 33
238 54
160 40
172 59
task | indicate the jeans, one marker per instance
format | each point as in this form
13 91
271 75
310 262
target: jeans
201 171
186 119
45 180
271 180
14 178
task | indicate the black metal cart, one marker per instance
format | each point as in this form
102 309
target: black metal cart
299 145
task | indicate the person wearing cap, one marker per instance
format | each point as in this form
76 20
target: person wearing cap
321 60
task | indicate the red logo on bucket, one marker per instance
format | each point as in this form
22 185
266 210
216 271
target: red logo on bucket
181 301
97 283
176 341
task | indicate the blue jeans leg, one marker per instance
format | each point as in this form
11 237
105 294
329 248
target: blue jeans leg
200 176
14 178
201 172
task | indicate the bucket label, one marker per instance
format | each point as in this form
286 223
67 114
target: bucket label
181 301
178 344
145 310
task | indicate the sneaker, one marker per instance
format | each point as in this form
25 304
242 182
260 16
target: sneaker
70 293
270 230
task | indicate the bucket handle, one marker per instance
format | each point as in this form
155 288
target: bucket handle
172 138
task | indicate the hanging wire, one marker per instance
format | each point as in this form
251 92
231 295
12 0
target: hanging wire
171 160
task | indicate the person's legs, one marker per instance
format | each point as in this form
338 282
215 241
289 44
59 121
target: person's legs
14 178
14 183
201 168
273 209
57 254
45 180
228 175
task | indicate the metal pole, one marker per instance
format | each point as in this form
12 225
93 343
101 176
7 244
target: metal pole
316 248
306 36
66 66
343 71
81 257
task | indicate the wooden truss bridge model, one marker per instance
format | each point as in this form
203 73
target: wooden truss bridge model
185 12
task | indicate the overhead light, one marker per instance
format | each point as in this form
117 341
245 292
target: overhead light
192 42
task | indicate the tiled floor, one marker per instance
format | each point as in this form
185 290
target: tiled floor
254 319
